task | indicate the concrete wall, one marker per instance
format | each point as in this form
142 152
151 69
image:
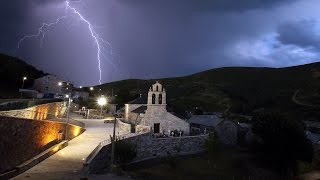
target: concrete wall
40 112
22 139
150 147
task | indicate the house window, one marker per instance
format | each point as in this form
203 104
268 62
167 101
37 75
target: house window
157 88
160 98
153 98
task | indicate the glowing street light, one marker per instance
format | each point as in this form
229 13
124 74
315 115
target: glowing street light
59 83
91 88
23 79
68 114
101 102
80 87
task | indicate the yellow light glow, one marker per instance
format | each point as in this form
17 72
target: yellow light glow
55 149
76 131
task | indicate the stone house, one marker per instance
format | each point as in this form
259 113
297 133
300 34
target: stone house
203 123
51 84
232 133
151 112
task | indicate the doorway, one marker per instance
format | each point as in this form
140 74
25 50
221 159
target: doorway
156 128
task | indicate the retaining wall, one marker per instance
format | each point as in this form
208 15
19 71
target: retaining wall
40 112
149 147
22 139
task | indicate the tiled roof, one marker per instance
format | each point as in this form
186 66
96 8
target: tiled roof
207 120
141 109
140 100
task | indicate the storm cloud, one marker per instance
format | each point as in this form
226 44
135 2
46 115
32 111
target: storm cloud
300 33
165 38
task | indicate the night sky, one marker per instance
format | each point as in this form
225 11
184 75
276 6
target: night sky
160 38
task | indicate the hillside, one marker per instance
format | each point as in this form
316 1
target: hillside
237 89
11 72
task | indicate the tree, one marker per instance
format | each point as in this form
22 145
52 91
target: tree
282 142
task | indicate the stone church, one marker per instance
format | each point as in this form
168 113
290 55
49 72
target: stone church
151 112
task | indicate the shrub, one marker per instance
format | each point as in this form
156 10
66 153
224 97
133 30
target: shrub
212 143
125 151
283 142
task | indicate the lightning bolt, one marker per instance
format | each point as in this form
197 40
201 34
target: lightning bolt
98 41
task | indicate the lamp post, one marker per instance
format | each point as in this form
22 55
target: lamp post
68 113
101 102
23 79
113 140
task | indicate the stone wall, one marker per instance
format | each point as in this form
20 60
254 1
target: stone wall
123 128
141 129
149 147
130 116
40 112
22 139
227 132
168 122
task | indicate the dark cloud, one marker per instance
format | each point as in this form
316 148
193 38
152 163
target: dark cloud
156 38
210 5
300 33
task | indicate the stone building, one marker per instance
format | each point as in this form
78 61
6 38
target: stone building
153 113
51 84
200 124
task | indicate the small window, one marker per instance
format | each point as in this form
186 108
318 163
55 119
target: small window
157 88
153 98
160 98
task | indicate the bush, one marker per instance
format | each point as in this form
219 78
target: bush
212 143
282 142
125 151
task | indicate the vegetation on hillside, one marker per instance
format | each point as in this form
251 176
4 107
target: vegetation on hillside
237 89
12 70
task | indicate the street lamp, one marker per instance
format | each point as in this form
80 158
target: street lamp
113 140
91 88
23 79
101 102
68 115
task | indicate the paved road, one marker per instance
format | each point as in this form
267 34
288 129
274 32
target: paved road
67 163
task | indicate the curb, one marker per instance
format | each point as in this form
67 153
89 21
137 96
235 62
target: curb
33 161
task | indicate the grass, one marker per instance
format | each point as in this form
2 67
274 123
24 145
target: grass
245 90
308 167
224 164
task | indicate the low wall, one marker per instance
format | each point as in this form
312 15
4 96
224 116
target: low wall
22 139
141 129
123 128
40 112
149 147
